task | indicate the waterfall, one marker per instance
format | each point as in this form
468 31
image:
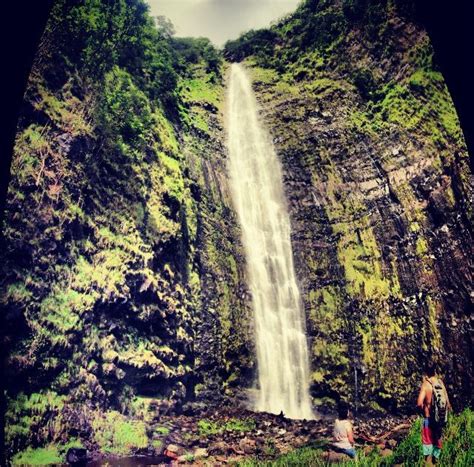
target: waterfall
257 193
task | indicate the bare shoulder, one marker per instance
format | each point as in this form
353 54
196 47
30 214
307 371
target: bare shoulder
425 384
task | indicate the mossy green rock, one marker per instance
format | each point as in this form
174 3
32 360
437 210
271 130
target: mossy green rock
120 258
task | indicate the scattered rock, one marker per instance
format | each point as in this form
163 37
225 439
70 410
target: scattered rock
247 445
170 454
368 449
391 443
221 447
76 456
200 453
173 451
185 458
179 441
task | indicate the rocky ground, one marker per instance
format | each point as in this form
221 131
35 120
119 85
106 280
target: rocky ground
230 435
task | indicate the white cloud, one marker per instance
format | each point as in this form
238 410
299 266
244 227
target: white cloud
220 20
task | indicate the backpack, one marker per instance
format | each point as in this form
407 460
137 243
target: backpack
439 406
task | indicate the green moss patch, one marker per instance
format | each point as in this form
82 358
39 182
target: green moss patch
40 456
210 427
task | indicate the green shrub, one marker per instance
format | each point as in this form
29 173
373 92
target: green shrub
117 435
209 427
458 444
409 450
125 111
40 456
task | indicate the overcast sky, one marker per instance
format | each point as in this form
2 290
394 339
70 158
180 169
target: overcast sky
220 20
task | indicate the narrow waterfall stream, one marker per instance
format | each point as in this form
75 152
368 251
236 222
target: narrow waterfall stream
257 191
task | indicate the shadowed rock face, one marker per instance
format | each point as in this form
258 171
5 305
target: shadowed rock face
377 176
223 345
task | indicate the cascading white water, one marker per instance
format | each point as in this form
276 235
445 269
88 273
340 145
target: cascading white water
257 192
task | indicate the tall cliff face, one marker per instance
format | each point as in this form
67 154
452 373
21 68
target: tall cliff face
123 278
380 193
120 277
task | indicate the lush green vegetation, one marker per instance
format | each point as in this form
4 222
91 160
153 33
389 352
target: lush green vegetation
317 27
210 427
192 51
92 37
51 454
117 435
40 456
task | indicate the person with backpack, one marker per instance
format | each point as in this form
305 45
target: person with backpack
434 403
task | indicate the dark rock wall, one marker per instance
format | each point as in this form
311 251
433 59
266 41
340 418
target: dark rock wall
224 336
